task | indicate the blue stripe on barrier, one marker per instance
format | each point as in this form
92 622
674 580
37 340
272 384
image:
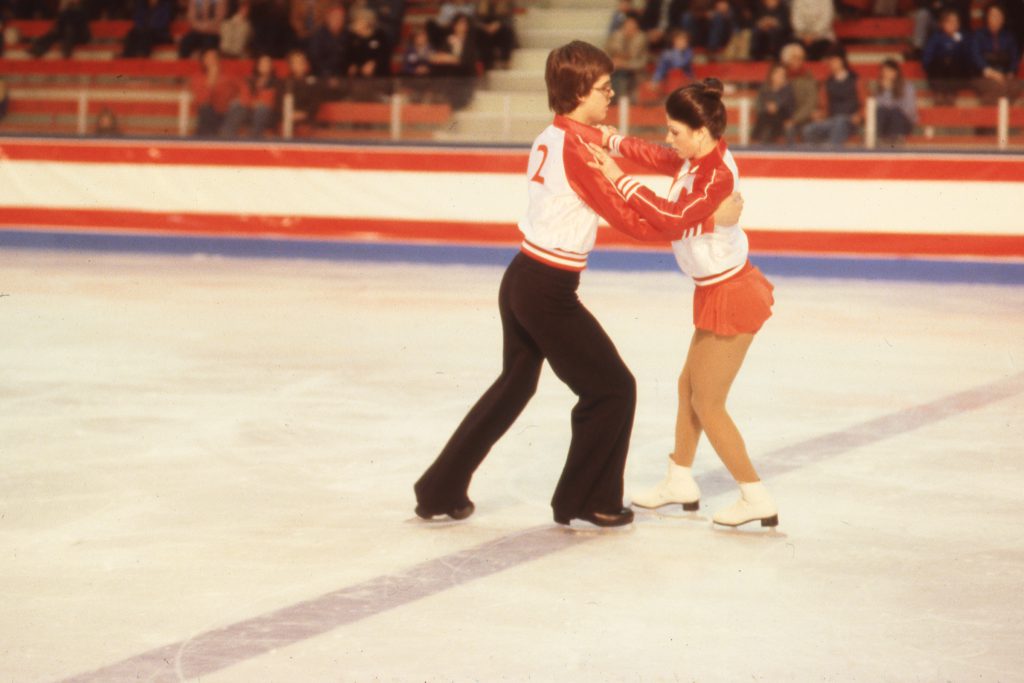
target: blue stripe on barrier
894 268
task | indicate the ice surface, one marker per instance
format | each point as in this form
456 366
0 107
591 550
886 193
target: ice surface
207 470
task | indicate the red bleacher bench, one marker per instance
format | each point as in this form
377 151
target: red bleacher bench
377 113
874 28
101 30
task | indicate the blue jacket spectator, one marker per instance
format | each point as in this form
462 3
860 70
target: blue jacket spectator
947 58
996 57
151 25
678 56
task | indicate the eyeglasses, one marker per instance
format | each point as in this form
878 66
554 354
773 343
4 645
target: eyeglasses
606 89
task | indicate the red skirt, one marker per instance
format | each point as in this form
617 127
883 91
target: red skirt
738 305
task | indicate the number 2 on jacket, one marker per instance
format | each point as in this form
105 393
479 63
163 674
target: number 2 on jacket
537 177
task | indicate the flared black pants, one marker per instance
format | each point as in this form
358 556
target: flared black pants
542 318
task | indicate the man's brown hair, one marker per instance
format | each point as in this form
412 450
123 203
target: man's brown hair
571 72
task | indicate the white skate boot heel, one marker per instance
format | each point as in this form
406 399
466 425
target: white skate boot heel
755 504
678 487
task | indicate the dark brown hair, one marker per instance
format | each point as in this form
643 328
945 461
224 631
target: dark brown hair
699 105
571 72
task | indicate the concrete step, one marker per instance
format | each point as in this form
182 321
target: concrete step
517 80
565 18
583 4
485 128
526 59
516 102
549 38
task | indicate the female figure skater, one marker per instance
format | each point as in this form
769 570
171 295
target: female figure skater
542 317
731 302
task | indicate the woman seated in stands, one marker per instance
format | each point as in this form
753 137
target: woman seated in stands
775 106
996 56
842 105
495 30
458 62
947 59
369 53
265 93
896 104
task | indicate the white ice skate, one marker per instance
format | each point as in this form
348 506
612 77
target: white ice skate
678 487
755 504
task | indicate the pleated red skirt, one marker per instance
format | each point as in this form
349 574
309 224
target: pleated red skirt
738 305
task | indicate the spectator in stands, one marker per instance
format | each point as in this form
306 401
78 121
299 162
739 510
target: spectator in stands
71 30
303 87
678 58
775 105
812 26
459 62
272 32
623 8
328 44
306 18
368 54
265 93
947 59
771 30
4 98
804 85
996 56
151 25
222 100
204 20
440 27
390 15
3 28
841 115
628 49
236 33
895 104
656 21
418 58
495 31
107 125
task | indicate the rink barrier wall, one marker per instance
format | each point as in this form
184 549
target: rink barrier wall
847 215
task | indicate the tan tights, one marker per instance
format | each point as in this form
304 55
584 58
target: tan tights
712 364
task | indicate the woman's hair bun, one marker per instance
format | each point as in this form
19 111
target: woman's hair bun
713 86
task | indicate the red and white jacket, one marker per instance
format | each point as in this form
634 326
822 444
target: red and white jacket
567 197
706 252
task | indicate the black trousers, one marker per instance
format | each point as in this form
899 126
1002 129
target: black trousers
542 318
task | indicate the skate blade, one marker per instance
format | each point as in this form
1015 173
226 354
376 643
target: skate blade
579 526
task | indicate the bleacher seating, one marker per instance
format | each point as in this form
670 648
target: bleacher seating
143 92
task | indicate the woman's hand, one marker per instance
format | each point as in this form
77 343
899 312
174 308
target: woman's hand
604 163
728 212
606 133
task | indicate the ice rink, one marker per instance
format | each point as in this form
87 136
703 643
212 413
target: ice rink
208 466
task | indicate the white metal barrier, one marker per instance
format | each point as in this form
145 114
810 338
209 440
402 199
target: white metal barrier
1001 123
84 96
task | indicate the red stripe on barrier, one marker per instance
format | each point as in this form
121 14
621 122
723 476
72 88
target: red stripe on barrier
978 168
384 230
270 155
